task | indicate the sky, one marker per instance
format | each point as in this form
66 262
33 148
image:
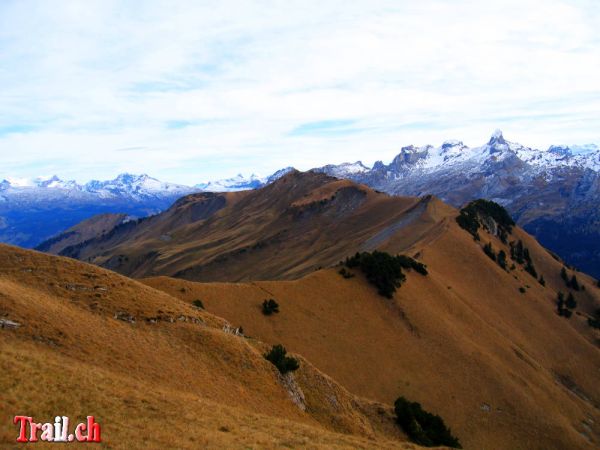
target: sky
200 90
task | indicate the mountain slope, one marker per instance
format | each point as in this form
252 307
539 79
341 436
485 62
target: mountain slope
478 343
502 368
553 194
285 230
155 371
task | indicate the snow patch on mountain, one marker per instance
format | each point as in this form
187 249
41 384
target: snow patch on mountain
241 183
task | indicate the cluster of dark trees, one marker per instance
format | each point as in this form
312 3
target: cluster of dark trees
571 283
422 427
520 254
278 357
470 218
383 270
565 307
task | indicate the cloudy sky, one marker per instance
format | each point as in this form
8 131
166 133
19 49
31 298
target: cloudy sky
197 90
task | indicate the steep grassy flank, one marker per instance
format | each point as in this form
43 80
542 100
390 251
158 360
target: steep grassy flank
93 342
501 367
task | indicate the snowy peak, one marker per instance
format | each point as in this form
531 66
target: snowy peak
54 182
497 138
277 175
135 186
241 183
454 155
345 169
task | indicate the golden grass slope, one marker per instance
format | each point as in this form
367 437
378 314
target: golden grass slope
173 378
500 366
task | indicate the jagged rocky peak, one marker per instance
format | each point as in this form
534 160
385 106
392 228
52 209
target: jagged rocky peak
497 138
452 147
452 144
410 155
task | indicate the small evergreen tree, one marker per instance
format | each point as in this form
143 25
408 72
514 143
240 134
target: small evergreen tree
571 303
488 250
269 307
529 267
519 252
198 304
346 274
526 255
542 281
564 276
560 303
502 259
574 284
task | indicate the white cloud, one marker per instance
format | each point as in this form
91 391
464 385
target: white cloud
199 90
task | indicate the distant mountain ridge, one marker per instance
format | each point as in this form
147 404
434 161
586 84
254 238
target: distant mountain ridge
34 210
554 194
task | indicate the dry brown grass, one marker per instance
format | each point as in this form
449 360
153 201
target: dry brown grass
460 341
180 384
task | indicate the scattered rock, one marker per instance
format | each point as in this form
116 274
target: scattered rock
76 287
233 330
125 317
5 323
485 407
293 389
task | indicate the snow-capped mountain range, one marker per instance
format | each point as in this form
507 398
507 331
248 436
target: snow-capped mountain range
553 193
136 187
33 210
455 154
126 185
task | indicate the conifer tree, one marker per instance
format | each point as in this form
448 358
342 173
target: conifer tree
571 303
574 283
